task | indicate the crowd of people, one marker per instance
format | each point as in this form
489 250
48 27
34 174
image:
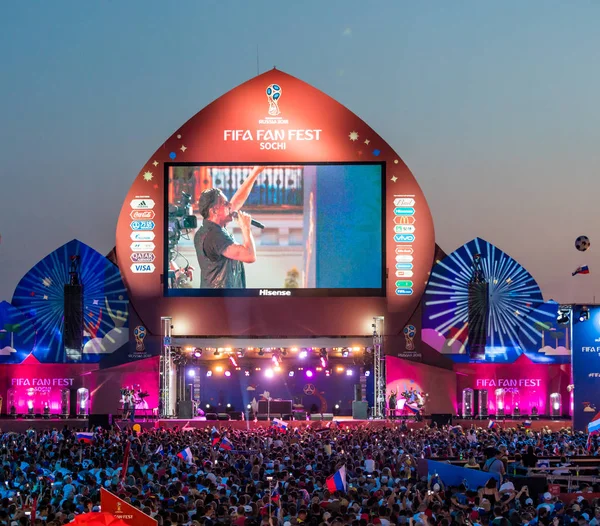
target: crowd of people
279 476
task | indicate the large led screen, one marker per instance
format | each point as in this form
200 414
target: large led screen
317 230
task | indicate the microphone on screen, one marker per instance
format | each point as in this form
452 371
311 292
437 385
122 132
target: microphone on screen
253 222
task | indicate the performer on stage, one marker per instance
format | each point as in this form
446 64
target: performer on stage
392 405
221 259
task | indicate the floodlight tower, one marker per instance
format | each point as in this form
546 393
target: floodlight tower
167 377
478 309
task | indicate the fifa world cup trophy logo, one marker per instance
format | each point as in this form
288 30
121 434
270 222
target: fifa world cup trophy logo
273 95
409 336
139 334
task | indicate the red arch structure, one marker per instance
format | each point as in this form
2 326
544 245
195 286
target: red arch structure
316 129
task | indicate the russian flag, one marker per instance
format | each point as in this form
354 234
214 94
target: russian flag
594 425
275 495
527 423
86 438
581 270
159 450
412 408
186 455
337 481
492 424
280 424
226 444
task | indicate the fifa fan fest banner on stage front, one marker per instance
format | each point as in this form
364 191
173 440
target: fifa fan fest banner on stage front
277 195
586 368
122 510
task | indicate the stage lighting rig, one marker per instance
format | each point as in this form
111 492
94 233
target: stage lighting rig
345 352
323 357
197 353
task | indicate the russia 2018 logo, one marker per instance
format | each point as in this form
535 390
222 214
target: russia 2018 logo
273 96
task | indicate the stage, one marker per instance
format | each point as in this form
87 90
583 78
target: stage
346 422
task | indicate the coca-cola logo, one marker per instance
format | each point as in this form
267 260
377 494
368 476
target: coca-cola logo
142 214
142 257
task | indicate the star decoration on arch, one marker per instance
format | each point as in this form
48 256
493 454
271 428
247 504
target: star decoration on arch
183 148
367 141
353 136
148 176
155 163
394 178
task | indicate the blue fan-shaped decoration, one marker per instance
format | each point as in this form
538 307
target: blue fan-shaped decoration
514 304
40 297
17 334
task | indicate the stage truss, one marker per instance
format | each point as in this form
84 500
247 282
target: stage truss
167 402
378 369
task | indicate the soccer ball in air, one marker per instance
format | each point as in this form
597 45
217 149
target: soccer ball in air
582 243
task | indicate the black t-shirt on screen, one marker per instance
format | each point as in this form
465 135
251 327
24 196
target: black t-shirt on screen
217 271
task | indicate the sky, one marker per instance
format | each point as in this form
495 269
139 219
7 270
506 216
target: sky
492 105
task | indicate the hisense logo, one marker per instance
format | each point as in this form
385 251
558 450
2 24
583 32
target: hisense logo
266 292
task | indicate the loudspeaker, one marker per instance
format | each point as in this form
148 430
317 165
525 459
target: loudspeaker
262 417
360 410
103 421
235 415
287 417
315 417
441 419
73 322
299 415
327 416
223 416
185 409
357 393
212 416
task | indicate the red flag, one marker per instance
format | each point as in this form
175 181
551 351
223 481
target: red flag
125 460
33 511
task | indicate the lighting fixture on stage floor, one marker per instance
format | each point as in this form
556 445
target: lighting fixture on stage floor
309 373
30 409
303 354
46 411
500 402
208 373
191 373
240 352
584 314
291 373
345 352
349 372
197 353
367 373
534 413
228 373
555 405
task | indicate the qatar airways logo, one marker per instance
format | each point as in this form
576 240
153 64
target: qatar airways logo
266 292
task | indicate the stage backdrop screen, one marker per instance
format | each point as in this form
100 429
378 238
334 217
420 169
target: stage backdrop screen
322 235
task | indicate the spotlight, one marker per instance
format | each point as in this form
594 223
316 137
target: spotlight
228 406
246 373
269 373
309 373
198 353
228 373
337 406
345 352
584 314
323 357
191 373
367 373
208 373
303 354
219 368
207 406
291 373
249 406
240 352
327 372
349 372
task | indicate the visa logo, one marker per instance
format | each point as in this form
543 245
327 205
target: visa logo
143 268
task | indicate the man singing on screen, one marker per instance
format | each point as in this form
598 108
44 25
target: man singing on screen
221 259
